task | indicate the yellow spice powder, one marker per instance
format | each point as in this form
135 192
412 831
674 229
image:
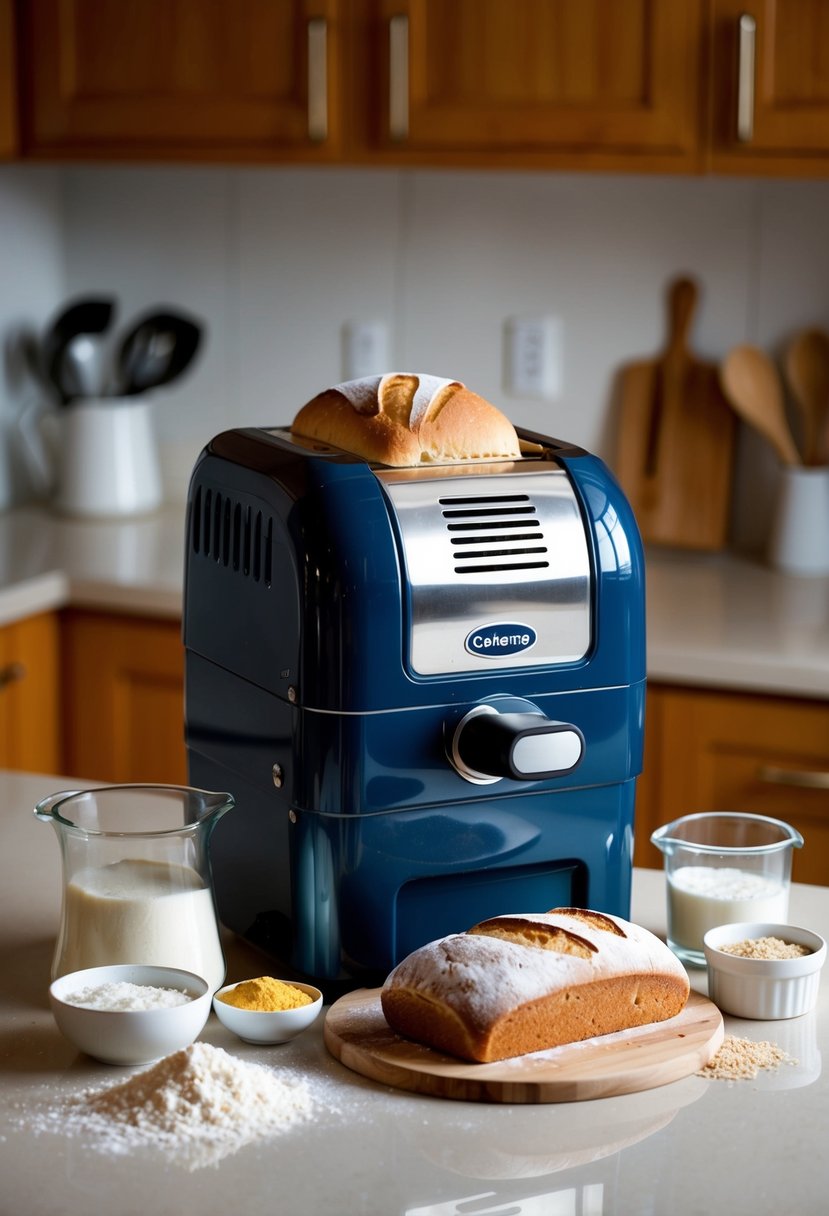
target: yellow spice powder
266 995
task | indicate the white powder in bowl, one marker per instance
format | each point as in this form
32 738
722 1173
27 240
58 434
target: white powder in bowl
195 1106
121 997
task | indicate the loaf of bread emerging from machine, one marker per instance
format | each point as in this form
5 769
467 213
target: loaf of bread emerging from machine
517 984
404 419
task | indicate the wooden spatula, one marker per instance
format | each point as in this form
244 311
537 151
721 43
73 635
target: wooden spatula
752 384
807 371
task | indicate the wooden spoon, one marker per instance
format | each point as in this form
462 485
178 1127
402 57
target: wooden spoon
807 370
752 385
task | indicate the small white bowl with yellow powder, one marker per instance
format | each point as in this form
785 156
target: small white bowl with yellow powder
267 1010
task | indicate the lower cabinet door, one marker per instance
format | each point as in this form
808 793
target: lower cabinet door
722 751
29 712
123 698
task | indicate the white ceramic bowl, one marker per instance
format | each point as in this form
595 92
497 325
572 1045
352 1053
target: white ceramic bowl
765 989
259 1026
130 1036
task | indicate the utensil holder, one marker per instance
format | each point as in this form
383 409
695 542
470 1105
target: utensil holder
108 460
799 539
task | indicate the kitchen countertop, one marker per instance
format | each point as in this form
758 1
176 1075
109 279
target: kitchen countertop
49 561
694 1146
727 621
713 619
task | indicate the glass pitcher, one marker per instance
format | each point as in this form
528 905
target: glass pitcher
136 877
723 867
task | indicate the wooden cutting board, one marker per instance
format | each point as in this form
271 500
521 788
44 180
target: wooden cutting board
675 435
357 1034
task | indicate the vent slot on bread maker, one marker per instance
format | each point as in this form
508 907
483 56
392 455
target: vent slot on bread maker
232 533
498 532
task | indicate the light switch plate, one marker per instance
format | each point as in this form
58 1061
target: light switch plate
365 349
533 348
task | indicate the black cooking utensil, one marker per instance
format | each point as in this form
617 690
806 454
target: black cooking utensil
83 366
87 315
156 351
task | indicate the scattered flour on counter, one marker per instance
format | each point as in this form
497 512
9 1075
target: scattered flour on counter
195 1106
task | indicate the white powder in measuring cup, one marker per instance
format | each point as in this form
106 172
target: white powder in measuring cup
196 1107
702 897
122 997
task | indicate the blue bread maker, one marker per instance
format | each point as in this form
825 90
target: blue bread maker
425 688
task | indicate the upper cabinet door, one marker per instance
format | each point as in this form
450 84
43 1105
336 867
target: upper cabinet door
8 99
771 86
551 81
179 78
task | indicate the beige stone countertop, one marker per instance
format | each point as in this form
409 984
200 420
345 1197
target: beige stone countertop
727 621
50 561
713 619
745 1148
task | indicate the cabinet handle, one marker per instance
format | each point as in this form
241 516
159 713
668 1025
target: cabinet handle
318 79
801 778
12 673
399 77
745 78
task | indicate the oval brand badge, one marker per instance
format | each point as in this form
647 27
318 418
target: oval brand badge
501 639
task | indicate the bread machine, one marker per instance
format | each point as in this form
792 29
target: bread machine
423 686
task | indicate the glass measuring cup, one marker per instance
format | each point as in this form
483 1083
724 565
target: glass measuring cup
136 877
722 867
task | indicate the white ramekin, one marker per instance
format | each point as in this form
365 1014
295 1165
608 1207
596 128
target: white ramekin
765 989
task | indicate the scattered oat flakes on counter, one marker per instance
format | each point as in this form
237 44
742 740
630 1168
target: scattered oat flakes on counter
742 1059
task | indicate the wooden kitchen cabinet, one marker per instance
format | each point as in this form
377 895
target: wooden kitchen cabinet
770 87
29 709
181 79
615 85
708 750
123 698
549 83
8 81
573 82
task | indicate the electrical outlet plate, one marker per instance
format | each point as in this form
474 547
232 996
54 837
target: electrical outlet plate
365 349
533 356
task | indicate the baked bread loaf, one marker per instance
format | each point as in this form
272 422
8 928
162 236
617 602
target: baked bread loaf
516 984
403 419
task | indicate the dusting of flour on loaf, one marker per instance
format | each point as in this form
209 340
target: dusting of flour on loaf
361 394
427 389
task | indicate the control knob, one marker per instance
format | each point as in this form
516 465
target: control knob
522 744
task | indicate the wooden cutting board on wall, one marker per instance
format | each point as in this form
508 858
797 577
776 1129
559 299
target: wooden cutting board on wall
675 435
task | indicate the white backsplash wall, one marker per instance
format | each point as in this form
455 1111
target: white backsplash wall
276 261
32 280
